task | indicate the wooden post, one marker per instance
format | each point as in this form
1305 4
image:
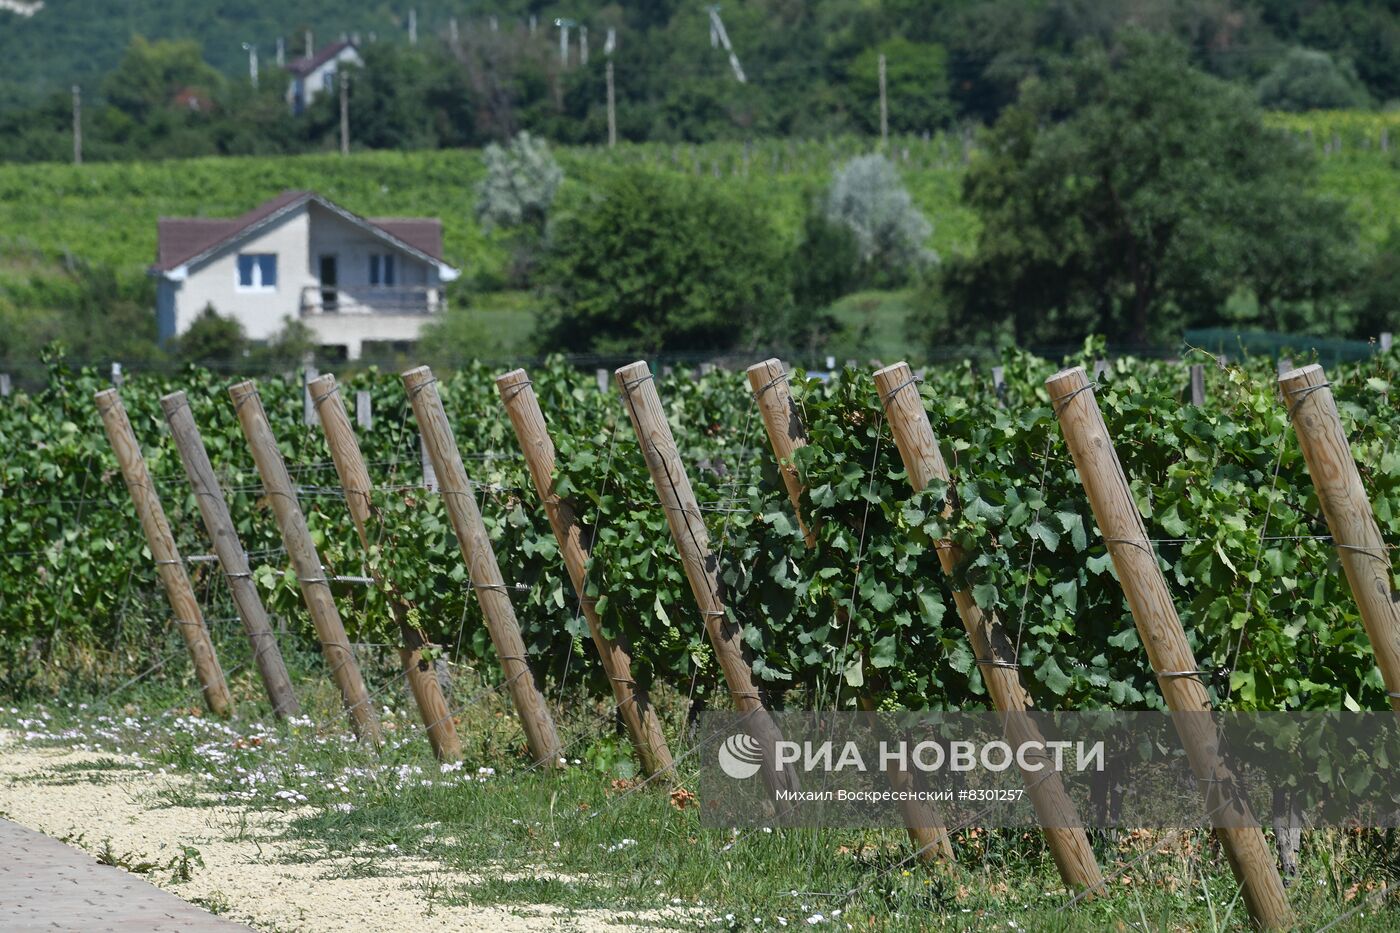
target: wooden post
308 409
998 384
1178 676
1198 384
5 387
485 573
1362 551
169 565
786 433
993 647
1387 340
311 576
430 482
687 528
701 566
354 479
364 409
233 560
633 703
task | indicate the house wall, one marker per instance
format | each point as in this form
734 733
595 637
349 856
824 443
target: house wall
314 83
352 246
215 281
299 240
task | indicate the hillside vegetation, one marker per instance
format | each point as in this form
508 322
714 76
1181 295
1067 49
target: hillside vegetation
106 213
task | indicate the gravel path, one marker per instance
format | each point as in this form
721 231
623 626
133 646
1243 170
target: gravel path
243 871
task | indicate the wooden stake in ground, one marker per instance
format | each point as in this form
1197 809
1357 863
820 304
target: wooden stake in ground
1363 553
1178 677
354 479
668 474
786 433
992 645
306 563
232 558
169 565
633 704
491 591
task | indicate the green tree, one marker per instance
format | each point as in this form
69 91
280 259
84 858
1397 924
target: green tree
1128 193
1305 79
916 86
151 74
647 263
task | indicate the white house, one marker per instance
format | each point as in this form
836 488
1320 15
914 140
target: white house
317 74
351 279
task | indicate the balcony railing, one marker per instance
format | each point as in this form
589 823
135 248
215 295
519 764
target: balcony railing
373 299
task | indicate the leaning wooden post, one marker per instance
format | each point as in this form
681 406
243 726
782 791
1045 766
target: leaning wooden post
233 560
786 433
633 703
485 573
169 565
1178 677
992 646
687 528
354 479
701 566
1364 555
306 563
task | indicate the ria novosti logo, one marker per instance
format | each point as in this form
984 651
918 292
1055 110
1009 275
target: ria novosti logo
740 756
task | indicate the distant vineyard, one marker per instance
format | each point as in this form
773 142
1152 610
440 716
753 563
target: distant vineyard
106 213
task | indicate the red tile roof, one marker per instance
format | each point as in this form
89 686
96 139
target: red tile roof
304 66
181 239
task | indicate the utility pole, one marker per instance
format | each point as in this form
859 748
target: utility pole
609 44
612 108
564 25
78 125
452 29
281 52
310 45
583 45
412 26
884 108
717 31
344 112
252 63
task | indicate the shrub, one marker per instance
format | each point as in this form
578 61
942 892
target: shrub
520 184
649 262
1306 79
868 198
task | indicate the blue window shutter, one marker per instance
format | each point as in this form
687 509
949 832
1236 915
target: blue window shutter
389 269
374 268
245 270
268 266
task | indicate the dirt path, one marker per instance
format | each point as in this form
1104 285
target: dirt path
230 859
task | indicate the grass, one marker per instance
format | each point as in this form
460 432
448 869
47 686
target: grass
589 838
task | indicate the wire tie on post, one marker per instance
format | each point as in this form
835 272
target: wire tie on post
996 662
885 399
758 394
628 384
316 400
421 386
1056 403
1301 396
1135 543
